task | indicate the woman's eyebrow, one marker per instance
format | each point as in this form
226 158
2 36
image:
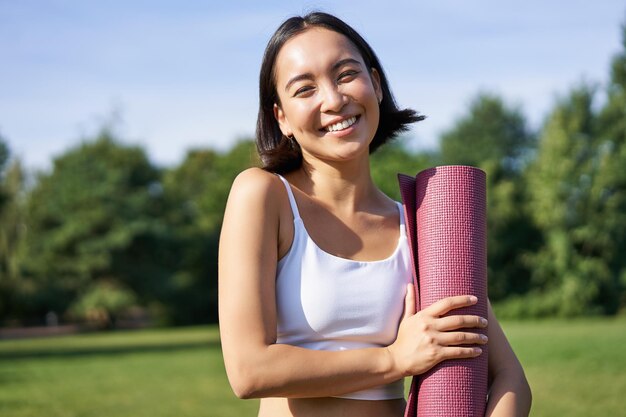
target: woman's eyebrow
309 76
345 61
300 77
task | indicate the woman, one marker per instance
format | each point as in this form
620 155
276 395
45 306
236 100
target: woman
317 313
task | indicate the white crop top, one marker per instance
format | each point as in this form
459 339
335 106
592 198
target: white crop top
325 302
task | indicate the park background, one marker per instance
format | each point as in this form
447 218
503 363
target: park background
123 125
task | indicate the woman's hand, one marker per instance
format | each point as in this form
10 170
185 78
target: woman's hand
425 339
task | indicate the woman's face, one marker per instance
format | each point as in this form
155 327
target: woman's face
328 97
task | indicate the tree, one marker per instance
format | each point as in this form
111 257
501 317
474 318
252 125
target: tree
578 187
569 271
610 185
492 136
495 137
102 303
12 234
4 158
196 193
394 158
96 216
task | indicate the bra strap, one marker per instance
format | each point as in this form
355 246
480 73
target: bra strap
292 199
402 223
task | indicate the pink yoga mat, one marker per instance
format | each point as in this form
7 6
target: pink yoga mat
445 208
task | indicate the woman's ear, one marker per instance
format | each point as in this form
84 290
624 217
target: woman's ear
375 76
279 115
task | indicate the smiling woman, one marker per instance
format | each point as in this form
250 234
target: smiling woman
317 313
281 155
327 97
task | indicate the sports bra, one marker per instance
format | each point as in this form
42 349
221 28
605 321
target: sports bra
325 302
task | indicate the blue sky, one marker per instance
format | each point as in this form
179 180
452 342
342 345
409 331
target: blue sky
170 75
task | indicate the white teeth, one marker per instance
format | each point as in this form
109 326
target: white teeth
341 125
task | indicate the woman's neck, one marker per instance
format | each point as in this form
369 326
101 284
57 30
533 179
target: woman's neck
346 186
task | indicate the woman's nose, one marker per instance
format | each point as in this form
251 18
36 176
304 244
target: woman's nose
333 100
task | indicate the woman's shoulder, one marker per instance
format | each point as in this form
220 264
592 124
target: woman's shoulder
256 186
254 176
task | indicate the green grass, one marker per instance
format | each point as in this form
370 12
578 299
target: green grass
575 368
172 372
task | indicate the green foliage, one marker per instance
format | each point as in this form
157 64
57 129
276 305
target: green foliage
196 193
102 303
394 158
579 207
610 186
200 184
4 158
491 136
12 233
4 154
12 241
97 215
495 138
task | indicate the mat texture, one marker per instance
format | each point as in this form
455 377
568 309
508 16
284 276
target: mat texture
445 208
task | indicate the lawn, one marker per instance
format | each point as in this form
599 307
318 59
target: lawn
170 372
576 368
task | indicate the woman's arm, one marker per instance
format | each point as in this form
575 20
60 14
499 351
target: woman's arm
509 392
259 367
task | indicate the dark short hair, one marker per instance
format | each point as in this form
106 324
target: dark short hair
278 153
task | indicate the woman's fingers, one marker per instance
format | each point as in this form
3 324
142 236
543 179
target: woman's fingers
456 352
461 338
425 339
448 304
460 322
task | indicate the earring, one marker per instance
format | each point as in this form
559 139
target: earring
292 141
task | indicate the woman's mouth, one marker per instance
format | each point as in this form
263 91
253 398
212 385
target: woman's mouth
344 124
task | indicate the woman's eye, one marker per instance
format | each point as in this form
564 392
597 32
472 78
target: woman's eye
302 90
347 75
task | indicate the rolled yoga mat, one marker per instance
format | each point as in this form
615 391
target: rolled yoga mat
446 213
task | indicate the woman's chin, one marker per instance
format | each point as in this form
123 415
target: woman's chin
348 152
